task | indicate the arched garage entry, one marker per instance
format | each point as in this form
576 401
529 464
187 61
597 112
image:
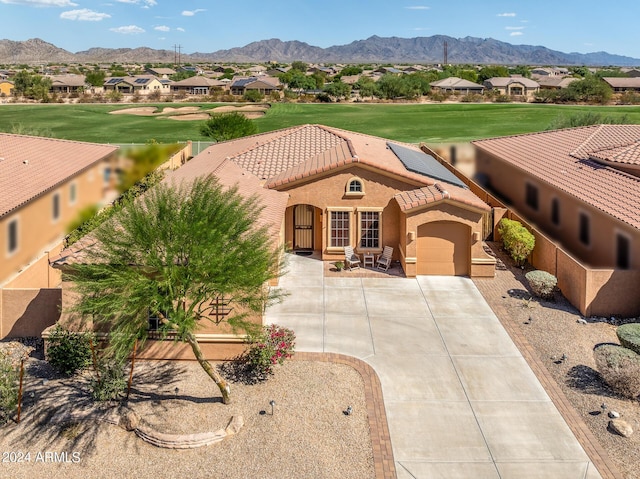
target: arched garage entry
444 248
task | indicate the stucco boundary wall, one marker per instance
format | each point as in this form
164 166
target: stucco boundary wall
28 312
594 292
178 159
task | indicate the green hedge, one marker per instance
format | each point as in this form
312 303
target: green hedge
516 239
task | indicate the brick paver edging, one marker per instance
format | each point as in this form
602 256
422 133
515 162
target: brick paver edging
384 464
587 439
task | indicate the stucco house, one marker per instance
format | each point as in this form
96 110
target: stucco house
141 84
457 85
67 83
197 85
324 188
621 84
580 187
6 88
44 184
518 86
264 84
352 189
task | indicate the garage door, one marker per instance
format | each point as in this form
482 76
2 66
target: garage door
443 249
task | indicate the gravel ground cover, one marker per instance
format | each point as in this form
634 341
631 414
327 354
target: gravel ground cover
307 436
555 328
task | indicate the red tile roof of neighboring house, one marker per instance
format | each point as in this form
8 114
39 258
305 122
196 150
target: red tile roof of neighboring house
409 200
565 160
30 166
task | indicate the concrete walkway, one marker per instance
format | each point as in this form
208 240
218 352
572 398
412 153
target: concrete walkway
461 401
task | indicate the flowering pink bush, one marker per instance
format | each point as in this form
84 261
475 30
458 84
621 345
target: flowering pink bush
272 345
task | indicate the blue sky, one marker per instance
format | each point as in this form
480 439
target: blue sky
210 25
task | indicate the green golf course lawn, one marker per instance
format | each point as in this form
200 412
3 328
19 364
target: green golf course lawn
412 123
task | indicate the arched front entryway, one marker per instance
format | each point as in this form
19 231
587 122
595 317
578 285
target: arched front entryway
303 221
443 248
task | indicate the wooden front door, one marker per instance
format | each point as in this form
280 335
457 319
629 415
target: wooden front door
303 227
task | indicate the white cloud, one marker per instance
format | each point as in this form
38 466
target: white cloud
84 15
180 29
506 14
418 7
145 3
191 13
515 34
128 30
514 28
41 3
162 28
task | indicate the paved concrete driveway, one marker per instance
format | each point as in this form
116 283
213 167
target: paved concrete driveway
460 399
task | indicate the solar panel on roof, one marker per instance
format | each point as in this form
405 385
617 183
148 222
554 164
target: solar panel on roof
141 80
114 80
423 164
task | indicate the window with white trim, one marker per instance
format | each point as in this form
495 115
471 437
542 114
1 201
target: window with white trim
369 229
340 228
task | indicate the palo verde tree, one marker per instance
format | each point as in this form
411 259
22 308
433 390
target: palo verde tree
171 255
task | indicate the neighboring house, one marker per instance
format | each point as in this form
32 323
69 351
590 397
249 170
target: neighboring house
389 70
6 88
581 188
513 86
160 72
621 84
141 84
257 70
457 85
555 83
67 83
631 72
44 184
197 85
264 84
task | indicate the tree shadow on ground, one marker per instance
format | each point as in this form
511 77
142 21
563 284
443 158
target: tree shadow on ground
587 380
239 370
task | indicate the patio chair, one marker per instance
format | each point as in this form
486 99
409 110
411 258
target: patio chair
383 261
351 259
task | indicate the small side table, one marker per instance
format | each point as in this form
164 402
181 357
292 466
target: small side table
368 259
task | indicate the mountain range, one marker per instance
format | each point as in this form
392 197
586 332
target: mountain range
470 50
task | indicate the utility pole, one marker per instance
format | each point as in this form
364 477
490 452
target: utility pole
176 51
446 54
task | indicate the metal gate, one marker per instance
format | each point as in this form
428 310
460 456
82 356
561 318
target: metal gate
303 227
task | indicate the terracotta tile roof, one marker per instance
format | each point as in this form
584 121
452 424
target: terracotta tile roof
623 155
228 174
30 166
296 145
456 83
622 82
563 159
408 200
505 81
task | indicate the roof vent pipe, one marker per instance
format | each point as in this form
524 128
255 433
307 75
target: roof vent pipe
25 162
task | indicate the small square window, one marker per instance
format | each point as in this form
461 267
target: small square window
355 186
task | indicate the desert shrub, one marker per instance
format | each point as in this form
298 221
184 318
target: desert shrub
155 95
516 239
111 381
542 283
629 336
271 345
8 388
502 99
69 351
253 96
471 98
619 368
